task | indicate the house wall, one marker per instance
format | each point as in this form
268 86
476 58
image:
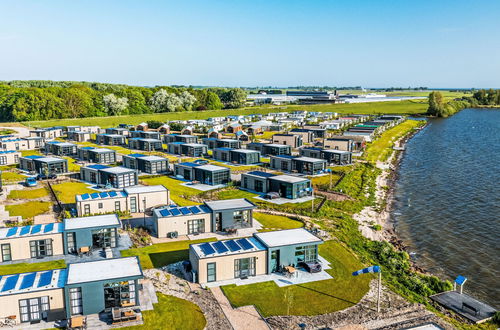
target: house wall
287 254
224 265
10 303
250 182
307 137
163 226
108 205
9 158
83 236
20 246
338 144
291 140
228 218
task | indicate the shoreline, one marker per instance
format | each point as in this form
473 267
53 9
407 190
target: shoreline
384 192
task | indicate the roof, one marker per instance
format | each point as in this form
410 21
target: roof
32 282
101 150
289 178
153 158
50 159
9 152
32 157
107 269
188 164
246 151
194 145
100 195
25 231
135 155
91 222
212 168
333 151
287 237
117 170
277 145
229 247
144 189
310 159
227 204
97 166
176 211
260 174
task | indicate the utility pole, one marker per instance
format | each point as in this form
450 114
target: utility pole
379 291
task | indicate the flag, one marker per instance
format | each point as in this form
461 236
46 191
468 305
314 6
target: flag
372 269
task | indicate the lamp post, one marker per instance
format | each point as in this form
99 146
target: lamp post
144 222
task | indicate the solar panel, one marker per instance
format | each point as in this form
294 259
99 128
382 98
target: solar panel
113 194
85 196
207 249
48 228
10 283
232 246
45 279
12 231
175 212
245 244
25 230
27 281
184 210
94 195
165 213
220 247
194 209
103 195
204 208
36 229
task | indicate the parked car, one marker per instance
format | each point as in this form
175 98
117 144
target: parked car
271 195
46 176
311 267
30 182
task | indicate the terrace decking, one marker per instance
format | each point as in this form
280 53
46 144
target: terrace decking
465 305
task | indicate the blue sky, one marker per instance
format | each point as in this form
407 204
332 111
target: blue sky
253 43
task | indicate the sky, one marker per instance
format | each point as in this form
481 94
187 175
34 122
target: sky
437 44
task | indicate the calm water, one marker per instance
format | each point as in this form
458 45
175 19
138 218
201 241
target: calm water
447 200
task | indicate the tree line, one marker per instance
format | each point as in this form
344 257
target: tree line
44 100
439 107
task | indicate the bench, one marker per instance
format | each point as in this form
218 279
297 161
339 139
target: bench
472 308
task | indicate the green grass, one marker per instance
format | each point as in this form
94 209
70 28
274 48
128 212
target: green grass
276 222
172 313
159 255
381 148
12 177
313 298
402 107
28 193
29 209
67 191
25 153
31 267
233 192
72 167
178 193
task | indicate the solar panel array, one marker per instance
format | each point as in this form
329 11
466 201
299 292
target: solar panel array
221 247
31 230
186 210
31 281
109 194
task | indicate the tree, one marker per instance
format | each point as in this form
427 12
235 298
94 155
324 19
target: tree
233 98
115 105
212 101
187 100
163 101
436 104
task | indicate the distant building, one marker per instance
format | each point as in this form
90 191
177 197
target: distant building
43 164
146 164
287 186
206 174
293 140
116 177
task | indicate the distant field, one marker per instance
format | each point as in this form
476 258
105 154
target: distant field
396 107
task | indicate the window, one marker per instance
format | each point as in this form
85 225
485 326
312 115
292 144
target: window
71 242
6 252
75 297
241 218
102 238
211 272
117 206
32 309
308 253
133 204
117 294
196 226
245 182
3 160
86 209
244 267
100 205
41 248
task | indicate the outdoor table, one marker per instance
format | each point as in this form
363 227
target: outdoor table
76 322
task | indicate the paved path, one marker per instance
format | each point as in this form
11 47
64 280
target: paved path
242 318
21 130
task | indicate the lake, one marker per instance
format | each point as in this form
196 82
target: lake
447 200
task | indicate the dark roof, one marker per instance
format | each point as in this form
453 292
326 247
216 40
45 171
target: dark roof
261 174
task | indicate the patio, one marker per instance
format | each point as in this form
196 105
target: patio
280 201
301 276
202 187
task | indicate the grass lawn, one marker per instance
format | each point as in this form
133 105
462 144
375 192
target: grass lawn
172 313
72 167
381 148
118 149
31 267
314 298
29 209
159 255
324 181
25 153
397 107
276 222
66 191
28 193
178 193
232 192
12 177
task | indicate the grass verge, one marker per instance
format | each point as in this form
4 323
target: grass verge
31 267
67 191
29 209
276 222
28 193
